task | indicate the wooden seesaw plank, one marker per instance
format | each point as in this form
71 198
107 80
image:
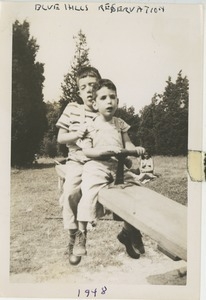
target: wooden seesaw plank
163 219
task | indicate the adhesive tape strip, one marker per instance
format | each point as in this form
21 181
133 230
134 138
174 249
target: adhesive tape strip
197 165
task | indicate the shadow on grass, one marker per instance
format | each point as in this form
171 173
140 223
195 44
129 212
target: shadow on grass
42 166
33 167
169 278
36 166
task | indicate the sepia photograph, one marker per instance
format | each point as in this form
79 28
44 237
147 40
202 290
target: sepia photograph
101 124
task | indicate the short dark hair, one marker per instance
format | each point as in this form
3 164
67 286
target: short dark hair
87 71
103 83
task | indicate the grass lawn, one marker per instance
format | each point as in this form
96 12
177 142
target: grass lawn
38 241
172 180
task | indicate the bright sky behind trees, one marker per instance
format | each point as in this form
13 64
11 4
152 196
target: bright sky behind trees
138 51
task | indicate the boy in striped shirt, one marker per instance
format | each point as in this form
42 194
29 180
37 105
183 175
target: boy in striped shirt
71 126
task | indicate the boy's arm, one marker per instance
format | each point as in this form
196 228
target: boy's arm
130 146
66 135
99 152
70 137
127 142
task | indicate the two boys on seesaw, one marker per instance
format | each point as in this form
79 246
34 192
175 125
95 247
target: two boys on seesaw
94 136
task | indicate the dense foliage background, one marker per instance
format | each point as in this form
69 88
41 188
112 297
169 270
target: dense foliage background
161 127
28 109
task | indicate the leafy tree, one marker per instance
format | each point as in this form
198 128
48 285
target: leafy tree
164 123
49 145
69 86
28 108
171 118
146 130
129 116
52 115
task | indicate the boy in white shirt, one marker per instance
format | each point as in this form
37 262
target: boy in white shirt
106 135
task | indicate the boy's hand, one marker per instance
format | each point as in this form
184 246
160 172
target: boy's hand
82 131
140 150
114 149
111 150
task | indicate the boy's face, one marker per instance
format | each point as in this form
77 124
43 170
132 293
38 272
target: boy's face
106 102
85 90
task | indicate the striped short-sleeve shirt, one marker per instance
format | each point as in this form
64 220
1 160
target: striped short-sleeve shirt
72 117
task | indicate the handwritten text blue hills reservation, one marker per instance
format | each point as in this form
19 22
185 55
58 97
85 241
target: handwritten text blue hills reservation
107 7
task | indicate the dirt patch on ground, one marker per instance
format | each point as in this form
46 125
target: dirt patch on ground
114 266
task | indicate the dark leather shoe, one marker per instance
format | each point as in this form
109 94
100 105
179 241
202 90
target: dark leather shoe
73 259
125 238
